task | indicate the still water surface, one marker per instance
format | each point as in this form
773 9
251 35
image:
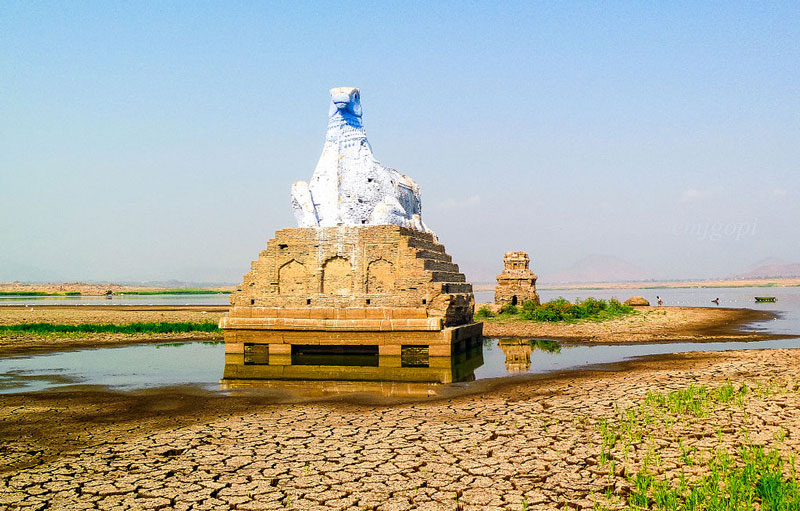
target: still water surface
201 363
141 300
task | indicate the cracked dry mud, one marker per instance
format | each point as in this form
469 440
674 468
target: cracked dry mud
535 441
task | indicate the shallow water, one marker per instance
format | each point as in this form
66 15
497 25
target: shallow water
122 368
141 300
581 356
201 364
787 305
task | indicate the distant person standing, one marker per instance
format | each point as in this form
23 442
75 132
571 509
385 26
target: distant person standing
715 300
660 301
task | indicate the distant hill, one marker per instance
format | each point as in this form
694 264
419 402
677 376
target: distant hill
771 269
597 268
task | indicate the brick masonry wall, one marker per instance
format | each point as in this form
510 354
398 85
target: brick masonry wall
390 271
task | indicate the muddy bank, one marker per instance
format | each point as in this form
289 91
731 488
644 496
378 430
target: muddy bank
26 343
646 324
44 425
117 314
536 441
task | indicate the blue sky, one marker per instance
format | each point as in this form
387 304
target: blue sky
156 140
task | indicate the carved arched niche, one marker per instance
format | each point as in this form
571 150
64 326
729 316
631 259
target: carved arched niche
380 276
337 276
292 278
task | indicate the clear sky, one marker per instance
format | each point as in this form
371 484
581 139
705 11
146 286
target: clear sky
159 140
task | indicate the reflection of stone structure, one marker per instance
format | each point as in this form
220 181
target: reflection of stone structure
516 284
518 354
349 186
362 271
249 368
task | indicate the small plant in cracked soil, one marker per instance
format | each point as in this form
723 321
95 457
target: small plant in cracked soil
756 478
742 476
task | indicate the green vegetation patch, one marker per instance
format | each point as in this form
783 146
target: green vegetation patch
747 477
559 310
484 313
756 480
95 328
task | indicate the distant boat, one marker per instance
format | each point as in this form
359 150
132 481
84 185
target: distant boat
765 298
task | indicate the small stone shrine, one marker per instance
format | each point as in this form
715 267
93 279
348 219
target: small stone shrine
516 284
362 274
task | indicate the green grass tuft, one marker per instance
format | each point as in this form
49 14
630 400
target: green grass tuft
484 313
758 479
95 328
509 309
750 477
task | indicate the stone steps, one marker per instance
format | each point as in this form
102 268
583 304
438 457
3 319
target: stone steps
434 256
456 288
447 276
440 266
424 244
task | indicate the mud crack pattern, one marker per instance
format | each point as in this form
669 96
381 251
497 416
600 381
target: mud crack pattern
536 443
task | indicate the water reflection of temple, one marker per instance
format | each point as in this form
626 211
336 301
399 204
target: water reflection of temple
361 363
518 354
518 351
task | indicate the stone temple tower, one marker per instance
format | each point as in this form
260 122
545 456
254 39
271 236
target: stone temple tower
361 276
516 284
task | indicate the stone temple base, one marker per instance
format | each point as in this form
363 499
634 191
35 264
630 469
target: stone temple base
384 290
256 364
438 343
403 355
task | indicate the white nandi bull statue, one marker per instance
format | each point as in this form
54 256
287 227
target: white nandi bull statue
349 186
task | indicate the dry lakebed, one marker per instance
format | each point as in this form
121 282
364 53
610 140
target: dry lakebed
567 439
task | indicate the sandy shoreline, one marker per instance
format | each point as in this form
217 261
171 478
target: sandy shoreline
21 344
648 324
